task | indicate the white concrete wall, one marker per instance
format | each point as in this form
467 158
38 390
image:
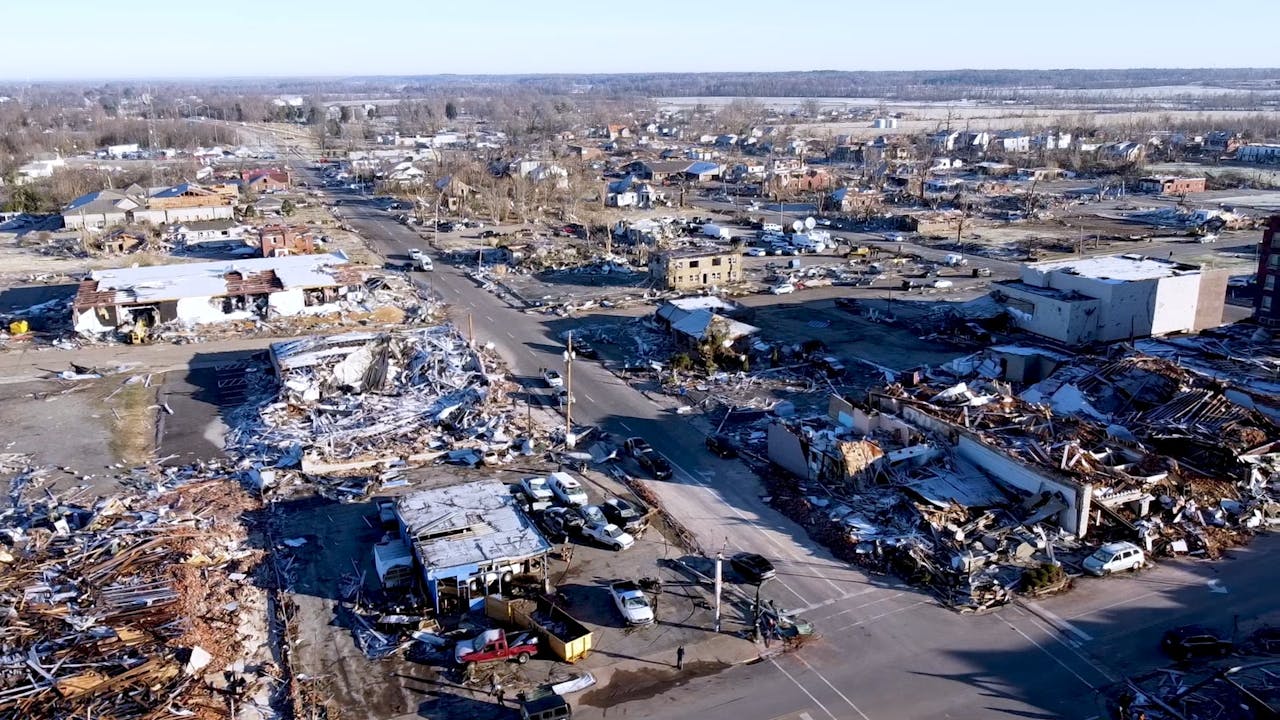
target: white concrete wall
286 302
1074 519
1067 321
202 310
181 215
1176 301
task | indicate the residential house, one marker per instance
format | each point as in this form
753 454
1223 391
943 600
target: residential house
1170 185
205 233
1013 143
103 208
701 171
586 152
1113 297
658 170
1052 141
209 292
1121 152
42 166
1222 141
453 192
267 180
184 203
285 240
885 123
696 268
406 174
945 140
852 200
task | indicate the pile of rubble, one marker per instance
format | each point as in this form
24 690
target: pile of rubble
133 605
347 403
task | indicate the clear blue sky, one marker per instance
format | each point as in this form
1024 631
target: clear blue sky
70 39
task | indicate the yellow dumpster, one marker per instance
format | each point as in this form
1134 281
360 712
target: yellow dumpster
19 327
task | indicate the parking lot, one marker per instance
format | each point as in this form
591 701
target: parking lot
330 547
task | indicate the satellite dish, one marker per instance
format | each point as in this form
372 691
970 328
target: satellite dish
797 226
809 223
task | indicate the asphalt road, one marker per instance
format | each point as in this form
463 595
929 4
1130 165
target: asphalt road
886 650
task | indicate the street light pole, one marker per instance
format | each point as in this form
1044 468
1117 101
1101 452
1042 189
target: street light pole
719 585
568 400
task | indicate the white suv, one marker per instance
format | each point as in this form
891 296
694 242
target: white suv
1113 558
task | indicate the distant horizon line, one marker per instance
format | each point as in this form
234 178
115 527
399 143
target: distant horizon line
573 74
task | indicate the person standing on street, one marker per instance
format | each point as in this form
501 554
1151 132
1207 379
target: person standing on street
680 658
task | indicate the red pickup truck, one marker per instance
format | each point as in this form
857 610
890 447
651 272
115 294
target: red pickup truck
493 645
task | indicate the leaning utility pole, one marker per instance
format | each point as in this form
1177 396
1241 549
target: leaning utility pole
719 584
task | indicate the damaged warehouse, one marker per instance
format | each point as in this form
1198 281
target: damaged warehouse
211 292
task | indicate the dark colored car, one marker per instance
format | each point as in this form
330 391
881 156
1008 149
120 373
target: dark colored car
1194 643
752 567
622 513
582 348
563 521
722 446
656 465
552 526
488 233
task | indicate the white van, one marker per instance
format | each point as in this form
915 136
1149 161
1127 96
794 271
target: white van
1114 557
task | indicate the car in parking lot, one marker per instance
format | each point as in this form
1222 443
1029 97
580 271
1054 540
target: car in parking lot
656 465
1114 557
721 445
1193 642
567 489
752 567
537 489
757 252
623 514
591 515
609 535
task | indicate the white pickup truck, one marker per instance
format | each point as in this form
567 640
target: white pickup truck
631 602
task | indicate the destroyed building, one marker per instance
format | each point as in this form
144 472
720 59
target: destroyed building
469 539
345 403
1115 297
211 292
696 269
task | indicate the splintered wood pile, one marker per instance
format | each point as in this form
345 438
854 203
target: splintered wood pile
125 609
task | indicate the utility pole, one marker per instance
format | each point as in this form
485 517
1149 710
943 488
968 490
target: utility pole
719 567
568 401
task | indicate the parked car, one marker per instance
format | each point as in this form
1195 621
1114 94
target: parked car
631 602
656 465
637 446
757 252
609 535
567 489
562 521
591 515
486 234
752 567
537 489
552 378
1193 642
721 445
1114 557
563 398
582 348
492 645
415 253
783 289
623 514
549 706
550 522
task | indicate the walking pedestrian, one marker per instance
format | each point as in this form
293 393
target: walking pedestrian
502 694
680 658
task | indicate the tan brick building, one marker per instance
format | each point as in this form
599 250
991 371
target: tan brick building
695 269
